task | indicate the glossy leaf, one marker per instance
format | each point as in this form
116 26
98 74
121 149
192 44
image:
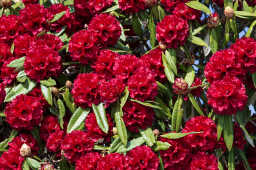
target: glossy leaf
101 117
33 163
199 6
197 41
21 76
167 70
69 100
47 93
178 135
228 132
124 97
121 129
49 83
58 16
231 160
170 58
135 142
195 104
176 110
77 119
17 63
152 30
148 136
214 40
62 112
190 76
161 146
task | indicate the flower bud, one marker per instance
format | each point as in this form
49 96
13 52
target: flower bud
47 166
180 86
5 3
229 12
162 46
68 84
213 20
55 91
156 132
114 130
25 150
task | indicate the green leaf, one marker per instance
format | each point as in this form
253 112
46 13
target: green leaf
49 83
247 136
176 110
228 132
113 8
220 126
178 135
244 158
22 88
25 165
18 63
21 76
135 142
47 93
136 25
214 40
152 30
231 160
69 2
244 14
199 6
197 41
249 32
190 76
58 16
77 119
161 12
124 97
170 58
121 129
69 100
167 70
199 29
62 112
161 146
179 119
12 48
195 104
33 163
147 104
148 136
220 166
246 7
4 143
101 117
114 146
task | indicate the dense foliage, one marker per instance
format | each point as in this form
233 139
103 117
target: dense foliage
127 84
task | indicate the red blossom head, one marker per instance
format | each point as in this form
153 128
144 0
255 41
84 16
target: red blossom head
49 125
113 161
204 161
90 160
182 10
54 141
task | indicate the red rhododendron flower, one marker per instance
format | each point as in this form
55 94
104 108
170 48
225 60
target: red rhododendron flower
105 62
24 138
11 160
24 112
182 10
65 20
142 87
142 157
90 160
222 63
197 91
75 144
245 49
42 63
109 91
8 74
172 31
9 28
54 141
169 5
177 155
50 41
206 140
49 125
107 28
2 93
180 86
5 52
87 95
132 6
137 116
22 44
154 61
125 66
202 160
33 19
89 8
113 161
94 130
26 2
83 46
227 96
37 92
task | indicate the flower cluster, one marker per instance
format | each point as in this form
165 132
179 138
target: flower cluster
226 71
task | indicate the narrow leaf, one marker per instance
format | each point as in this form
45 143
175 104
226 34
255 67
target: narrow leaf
197 41
18 63
228 132
167 70
249 32
69 100
170 58
33 163
161 146
214 40
58 16
135 142
199 6
195 104
62 112
77 119
190 76
46 91
231 160
244 158
177 135
21 76
152 30
124 97
220 126
49 83
121 129
148 136
176 110
101 117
